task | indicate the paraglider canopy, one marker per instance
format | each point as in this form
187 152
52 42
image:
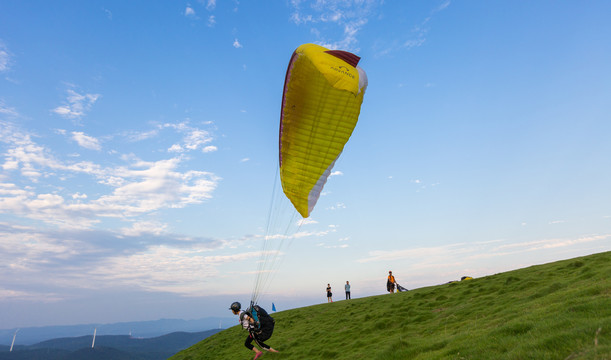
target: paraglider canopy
323 92
321 101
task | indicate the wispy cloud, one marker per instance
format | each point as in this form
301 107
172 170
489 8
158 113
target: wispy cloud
5 58
193 138
210 5
76 105
337 206
465 252
86 141
104 259
236 44
189 11
347 17
7 110
141 135
415 38
140 228
442 7
557 222
341 246
306 221
8 294
237 257
211 21
108 14
131 190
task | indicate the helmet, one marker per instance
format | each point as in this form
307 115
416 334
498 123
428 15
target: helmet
236 306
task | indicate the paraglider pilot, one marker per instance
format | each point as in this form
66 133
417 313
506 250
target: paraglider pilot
390 283
259 324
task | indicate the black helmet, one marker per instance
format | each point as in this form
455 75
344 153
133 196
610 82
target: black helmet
236 306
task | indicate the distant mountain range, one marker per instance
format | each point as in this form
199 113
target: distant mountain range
137 329
117 347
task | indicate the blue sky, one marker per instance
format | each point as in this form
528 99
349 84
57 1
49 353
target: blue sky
138 150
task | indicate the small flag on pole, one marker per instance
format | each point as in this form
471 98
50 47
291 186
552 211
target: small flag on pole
273 307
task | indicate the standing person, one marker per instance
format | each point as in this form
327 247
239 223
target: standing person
259 330
390 283
329 294
347 288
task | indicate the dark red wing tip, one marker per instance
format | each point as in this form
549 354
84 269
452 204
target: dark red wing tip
348 57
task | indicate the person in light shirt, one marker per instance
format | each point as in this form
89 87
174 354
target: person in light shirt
347 288
258 331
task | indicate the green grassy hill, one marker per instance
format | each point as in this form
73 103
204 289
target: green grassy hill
560 310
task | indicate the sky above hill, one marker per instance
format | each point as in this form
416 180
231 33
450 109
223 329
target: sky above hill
139 150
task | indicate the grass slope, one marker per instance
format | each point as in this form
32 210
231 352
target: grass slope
560 310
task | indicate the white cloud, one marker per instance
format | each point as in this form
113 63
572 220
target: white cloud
5 58
209 148
79 196
348 16
236 44
211 21
336 173
443 6
415 38
306 221
189 12
140 228
86 141
342 246
7 111
337 206
83 197
142 135
8 294
211 5
90 259
237 257
193 138
108 14
170 269
466 252
176 148
136 189
245 160
412 43
303 234
76 105
149 186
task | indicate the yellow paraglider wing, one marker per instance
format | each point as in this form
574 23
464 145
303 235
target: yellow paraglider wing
323 92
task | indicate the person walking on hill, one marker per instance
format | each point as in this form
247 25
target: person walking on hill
329 294
390 283
260 327
347 288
